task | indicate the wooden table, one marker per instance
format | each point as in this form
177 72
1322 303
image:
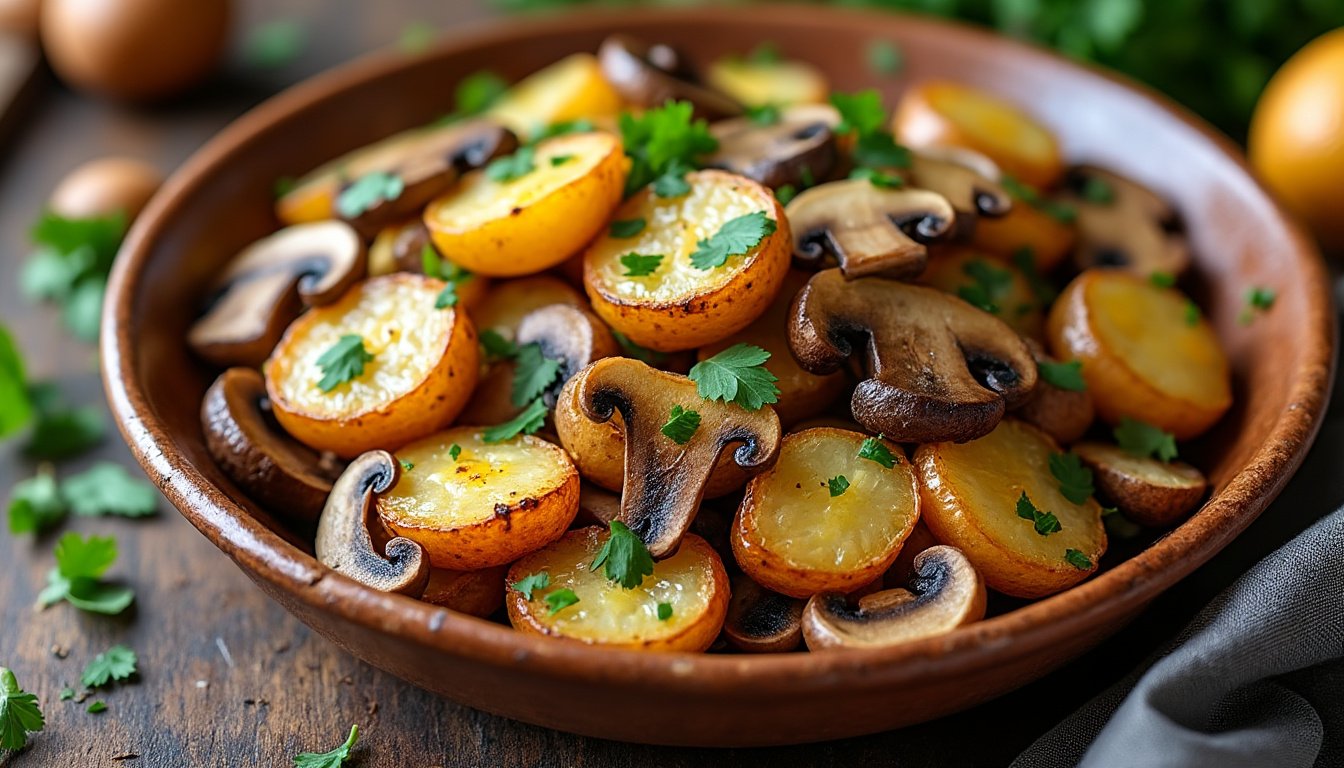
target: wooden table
228 678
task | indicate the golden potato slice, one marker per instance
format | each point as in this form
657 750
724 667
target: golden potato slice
424 364
475 593
1149 492
570 89
1026 229
679 306
536 220
990 284
692 582
940 113
796 535
488 506
778 83
972 495
1144 354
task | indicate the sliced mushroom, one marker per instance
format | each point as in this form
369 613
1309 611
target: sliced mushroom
1124 224
868 230
406 245
574 336
799 149
1150 492
344 542
946 592
968 179
1064 414
281 474
649 75
665 481
267 285
939 369
761 621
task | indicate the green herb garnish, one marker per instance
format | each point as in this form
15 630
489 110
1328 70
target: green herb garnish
512 167
20 714
1144 440
1066 375
560 599
532 582
1075 480
664 611
663 139
1045 522
626 558
873 449
1077 559
333 759
735 238
532 418
640 264
626 228
878 178
367 191
988 285
837 485
77 577
681 425
116 663
342 363
533 374
737 374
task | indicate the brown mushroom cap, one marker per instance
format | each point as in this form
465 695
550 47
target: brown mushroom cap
1134 230
968 179
761 621
945 593
344 543
800 147
665 481
267 284
570 334
281 474
649 75
869 230
939 369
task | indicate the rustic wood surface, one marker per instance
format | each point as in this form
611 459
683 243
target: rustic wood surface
227 677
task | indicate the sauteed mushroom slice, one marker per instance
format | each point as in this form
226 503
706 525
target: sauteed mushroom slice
939 369
277 471
1124 224
267 285
665 479
867 229
946 592
574 336
647 75
761 621
343 541
968 179
800 147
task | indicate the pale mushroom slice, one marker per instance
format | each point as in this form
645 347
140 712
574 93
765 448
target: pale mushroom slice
1123 224
968 179
344 542
798 149
938 368
946 592
649 75
269 283
761 621
868 230
1150 492
665 479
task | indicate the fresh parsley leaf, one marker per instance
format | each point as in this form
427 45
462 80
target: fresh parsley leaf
274 44
533 373
530 420
672 182
454 451
765 53
36 504
478 92
70 266
880 150
368 191
1097 190
1075 480
885 58
625 228
1162 279
1066 375
737 374
406 466
97 708
82 312
837 485
558 160
496 347
988 285
1024 259
1144 440
416 37
1059 211
20 714
16 409
785 194
626 558
681 425
873 449
860 112
528 584
664 611
1192 314
107 488
116 663
559 600
878 178
60 432
663 139
562 128
763 115
1045 522
1077 559
67 694
735 238
512 167
333 759
1258 299
80 564
640 264
447 297
343 362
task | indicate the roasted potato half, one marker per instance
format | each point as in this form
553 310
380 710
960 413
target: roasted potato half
761 83
825 519
570 89
990 284
1145 355
678 306
488 505
1150 492
423 364
475 593
692 582
538 216
973 497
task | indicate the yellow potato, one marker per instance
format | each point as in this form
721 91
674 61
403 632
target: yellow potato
779 83
570 89
489 506
1025 228
692 581
794 535
475 593
1142 356
536 221
971 494
990 284
509 301
680 306
425 363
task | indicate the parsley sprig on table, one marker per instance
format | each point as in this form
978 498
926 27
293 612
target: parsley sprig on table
42 502
333 759
20 713
16 408
737 375
77 577
116 663
70 267
1045 522
664 143
627 561
735 238
343 362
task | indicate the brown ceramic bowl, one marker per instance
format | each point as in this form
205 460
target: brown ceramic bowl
221 199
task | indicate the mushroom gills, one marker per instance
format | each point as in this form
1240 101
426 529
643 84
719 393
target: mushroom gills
798 149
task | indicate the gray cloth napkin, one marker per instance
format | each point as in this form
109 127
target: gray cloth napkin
1257 679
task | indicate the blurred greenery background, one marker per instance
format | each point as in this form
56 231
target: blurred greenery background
1214 56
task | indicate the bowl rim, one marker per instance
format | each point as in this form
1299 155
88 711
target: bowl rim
1124 589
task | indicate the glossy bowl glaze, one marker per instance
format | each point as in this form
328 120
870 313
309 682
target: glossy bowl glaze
221 199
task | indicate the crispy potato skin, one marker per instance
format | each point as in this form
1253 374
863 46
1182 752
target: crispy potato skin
429 406
475 593
1161 499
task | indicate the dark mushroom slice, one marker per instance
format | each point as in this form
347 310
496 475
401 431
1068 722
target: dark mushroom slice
946 592
597 506
938 368
1123 224
761 621
968 179
1154 493
408 245
649 75
664 480
799 149
868 230
269 283
570 334
1064 414
283 475
344 542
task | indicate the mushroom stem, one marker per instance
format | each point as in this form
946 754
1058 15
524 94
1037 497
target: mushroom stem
343 540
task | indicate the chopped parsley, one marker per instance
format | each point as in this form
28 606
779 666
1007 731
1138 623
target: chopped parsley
737 374
532 418
860 112
885 58
627 561
880 149
664 611
1162 279
1059 211
107 488
1077 559
563 128
406 466
837 485
988 285
1024 259
1066 375
878 178
16 407
36 504
1045 522
344 362
1097 191
1258 299
434 265
274 44
1192 314
559 160
116 663
763 115
681 425
77 577
97 708
496 347
454 451
560 599
873 449
626 228
333 759
478 92
512 167
20 714
672 182
662 140
1075 480
1141 439
786 193
61 432
735 238
765 53
533 374
368 191
532 582
640 264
